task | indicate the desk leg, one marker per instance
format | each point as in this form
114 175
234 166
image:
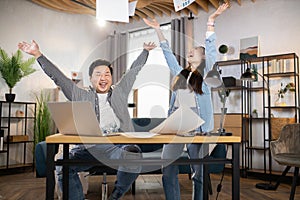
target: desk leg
235 171
205 181
50 180
65 172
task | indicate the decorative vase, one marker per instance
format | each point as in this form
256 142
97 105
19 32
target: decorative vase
10 97
280 101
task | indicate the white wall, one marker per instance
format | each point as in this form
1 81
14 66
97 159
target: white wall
275 22
71 41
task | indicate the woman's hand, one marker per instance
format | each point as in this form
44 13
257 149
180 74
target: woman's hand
32 49
153 23
218 12
149 46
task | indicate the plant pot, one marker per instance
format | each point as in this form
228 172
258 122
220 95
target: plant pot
9 97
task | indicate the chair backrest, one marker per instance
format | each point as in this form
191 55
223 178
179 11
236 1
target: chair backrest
289 140
40 159
219 151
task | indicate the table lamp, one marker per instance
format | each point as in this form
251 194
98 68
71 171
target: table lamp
213 79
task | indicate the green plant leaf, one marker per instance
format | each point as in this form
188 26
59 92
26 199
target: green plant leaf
14 68
43 123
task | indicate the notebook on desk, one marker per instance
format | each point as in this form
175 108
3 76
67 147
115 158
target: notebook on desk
75 118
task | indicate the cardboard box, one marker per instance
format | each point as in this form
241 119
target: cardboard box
18 138
231 81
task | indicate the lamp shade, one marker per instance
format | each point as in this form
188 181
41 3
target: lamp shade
248 75
213 78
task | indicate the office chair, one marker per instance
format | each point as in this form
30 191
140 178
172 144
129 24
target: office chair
285 151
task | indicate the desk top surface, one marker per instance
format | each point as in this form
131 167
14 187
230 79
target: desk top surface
158 139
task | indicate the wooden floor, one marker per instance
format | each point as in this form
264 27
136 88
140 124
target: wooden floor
149 187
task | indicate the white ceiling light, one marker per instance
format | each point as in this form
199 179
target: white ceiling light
101 22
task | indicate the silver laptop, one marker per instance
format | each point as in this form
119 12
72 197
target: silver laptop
75 118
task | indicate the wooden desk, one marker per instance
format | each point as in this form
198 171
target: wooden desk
56 139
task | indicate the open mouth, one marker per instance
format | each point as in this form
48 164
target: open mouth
190 55
103 85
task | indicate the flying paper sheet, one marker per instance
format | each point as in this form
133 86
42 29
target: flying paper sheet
180 4
116 10
183 120
131 8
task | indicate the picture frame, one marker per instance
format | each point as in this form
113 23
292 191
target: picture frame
249 47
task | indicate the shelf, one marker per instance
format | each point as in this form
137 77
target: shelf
29 141
255 88
268 140
256 118
230 62
16 102
273 57
229 88
3 151
283 107
17 118
286 74
17 166
257 148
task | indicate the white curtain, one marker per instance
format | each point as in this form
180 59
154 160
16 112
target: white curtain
181 38
118 54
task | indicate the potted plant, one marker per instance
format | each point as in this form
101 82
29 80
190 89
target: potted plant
43 123
13 69
254 113
223 49
281 93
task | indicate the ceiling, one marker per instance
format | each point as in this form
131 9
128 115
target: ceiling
144 8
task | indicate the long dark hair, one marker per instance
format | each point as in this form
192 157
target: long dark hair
195 81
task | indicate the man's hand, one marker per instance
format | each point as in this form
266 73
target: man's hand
149 46
32 49
154 24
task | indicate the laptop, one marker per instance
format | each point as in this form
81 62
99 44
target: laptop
76 118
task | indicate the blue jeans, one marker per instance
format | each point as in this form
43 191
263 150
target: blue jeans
170 172
125 175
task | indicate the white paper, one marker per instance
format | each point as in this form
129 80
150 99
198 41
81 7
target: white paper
183 120
131 8
180 4
116 10
138 134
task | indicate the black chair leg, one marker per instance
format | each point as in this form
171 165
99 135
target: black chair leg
296 172
281 177
209 185
133 188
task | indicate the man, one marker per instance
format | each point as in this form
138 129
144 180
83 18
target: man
110 103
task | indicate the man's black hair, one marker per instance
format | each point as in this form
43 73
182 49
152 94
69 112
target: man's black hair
100 62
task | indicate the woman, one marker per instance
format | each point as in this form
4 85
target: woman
189 89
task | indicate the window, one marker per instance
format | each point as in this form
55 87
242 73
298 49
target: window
153 80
